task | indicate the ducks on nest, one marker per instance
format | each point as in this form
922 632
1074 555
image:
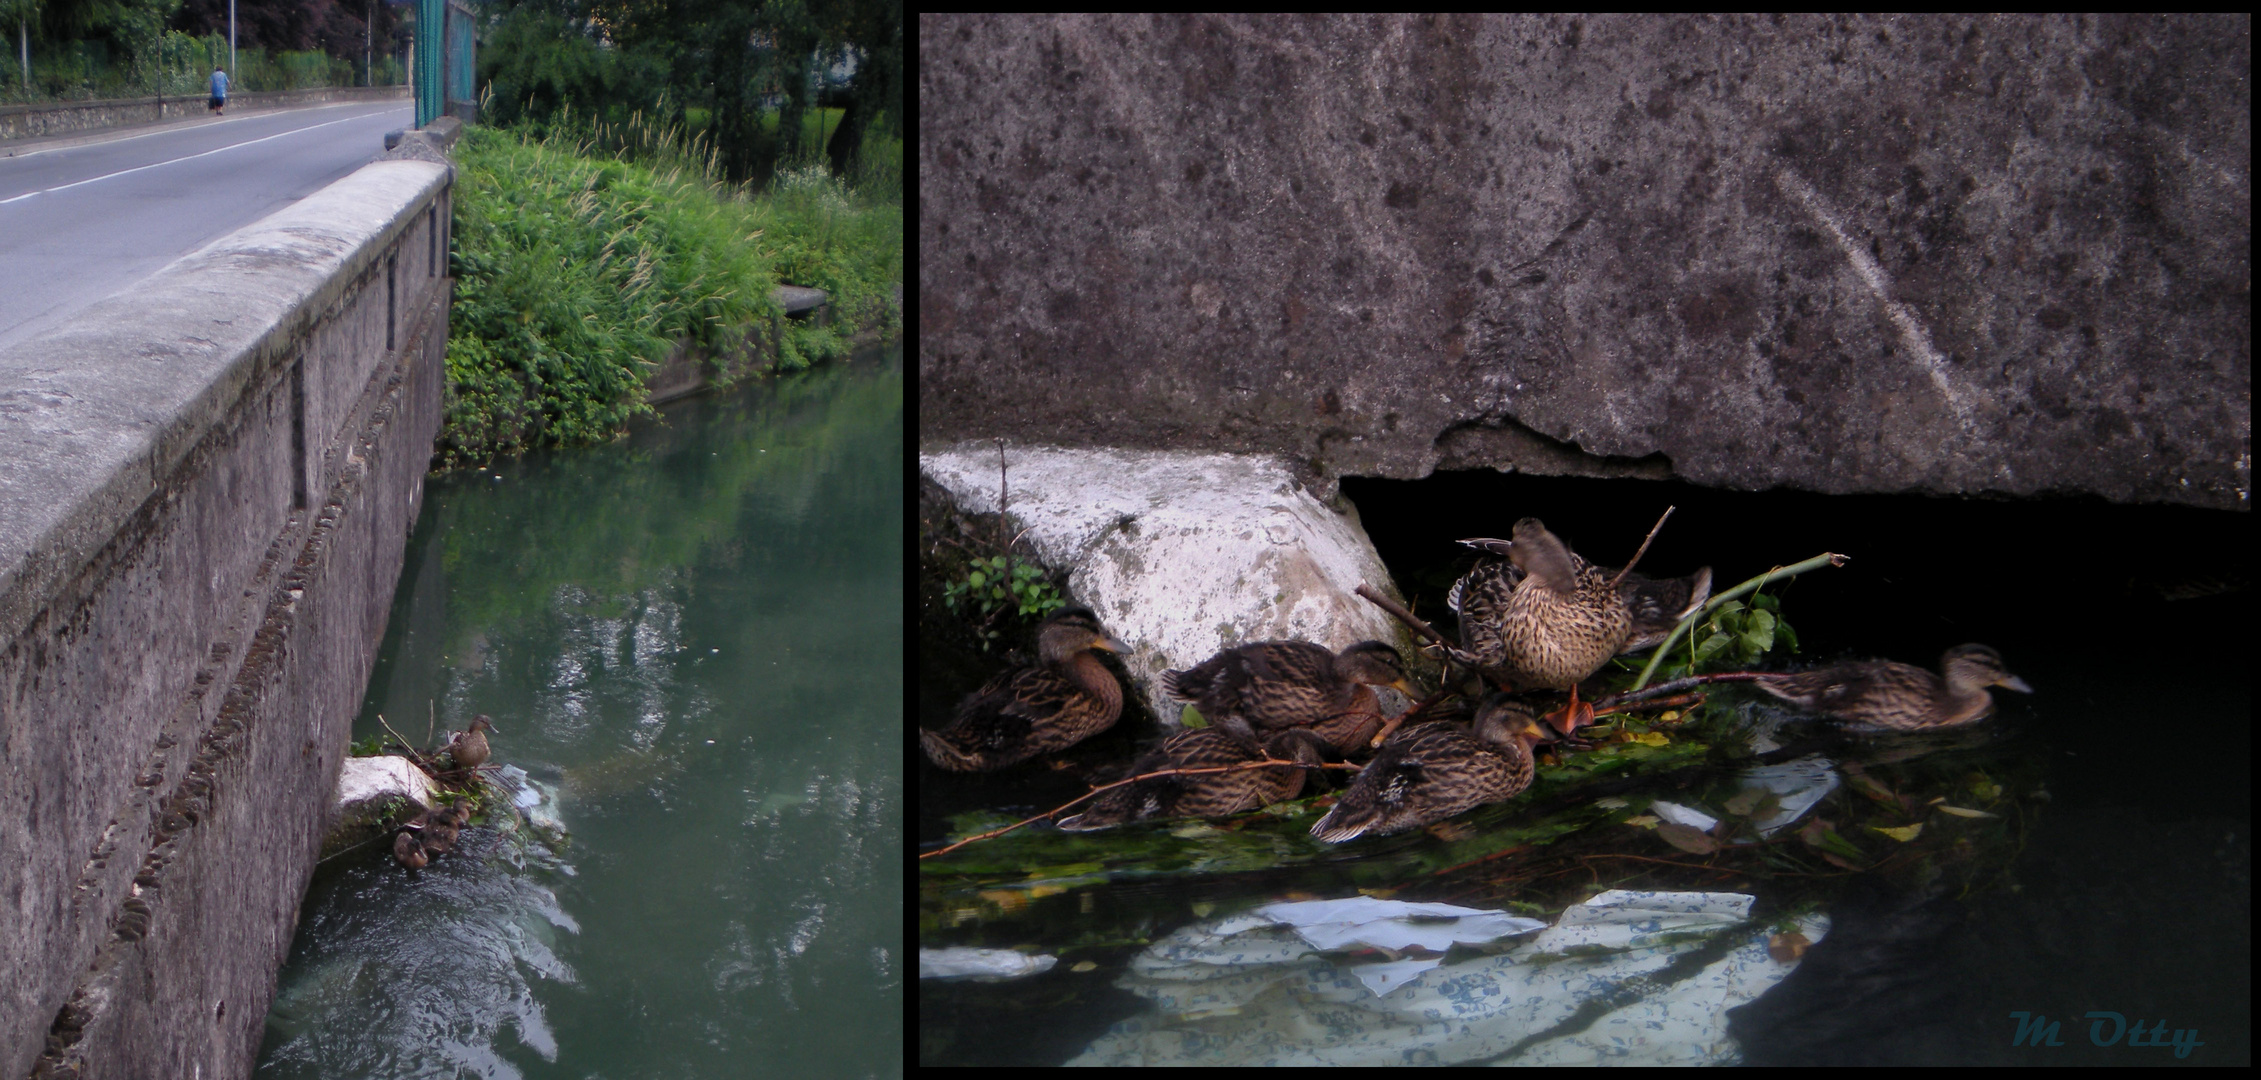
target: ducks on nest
1066 698
1429 772
1545 618
1901 697
1207 795
1251 691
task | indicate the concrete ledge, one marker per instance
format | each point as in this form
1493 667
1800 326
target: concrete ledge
205 487
61 118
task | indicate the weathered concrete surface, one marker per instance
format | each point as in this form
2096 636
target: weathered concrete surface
1181 555
1991 254
205 486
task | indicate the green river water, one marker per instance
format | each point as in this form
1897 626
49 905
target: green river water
694 638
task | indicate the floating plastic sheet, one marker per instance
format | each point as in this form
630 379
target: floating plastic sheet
1252 990
985 964
1797 786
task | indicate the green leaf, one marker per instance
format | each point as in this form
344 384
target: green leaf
1760 636
997 561
1192 718
1765 602
977 579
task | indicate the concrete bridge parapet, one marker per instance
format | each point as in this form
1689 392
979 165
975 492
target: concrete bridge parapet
206 483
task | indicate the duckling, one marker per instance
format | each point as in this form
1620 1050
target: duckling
1208 795
1545 619
1883 694
441 827
409 851
1026 711
1429 772
1250 691
469 748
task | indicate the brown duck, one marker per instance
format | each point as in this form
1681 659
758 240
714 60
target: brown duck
1545 619
408 850
1483 600
1209 795
1251 691
1901 697
1429 772
1022 712
469 748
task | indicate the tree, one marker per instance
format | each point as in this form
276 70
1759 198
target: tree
608 57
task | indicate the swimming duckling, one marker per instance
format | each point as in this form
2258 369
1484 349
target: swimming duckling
441 827
1250 691
408 850
1207 795
469 748
1429 772
1901 697
1022 712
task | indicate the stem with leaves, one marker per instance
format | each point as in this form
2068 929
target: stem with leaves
1751 586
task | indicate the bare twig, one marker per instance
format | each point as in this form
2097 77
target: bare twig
431 719
1266 763
1403 616
1644 549
413 753
1673 702
1663 688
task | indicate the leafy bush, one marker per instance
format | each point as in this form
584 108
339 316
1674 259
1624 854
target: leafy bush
578 274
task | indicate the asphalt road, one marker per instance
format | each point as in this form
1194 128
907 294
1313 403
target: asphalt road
80 223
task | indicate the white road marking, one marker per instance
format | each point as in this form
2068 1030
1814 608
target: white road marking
178 160
169 129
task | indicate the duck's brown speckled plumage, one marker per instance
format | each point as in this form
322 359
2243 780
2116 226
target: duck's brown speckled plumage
1429 772
1027 711
1901 697
1209 795
1652 605
1252 690
1658 604
1545 618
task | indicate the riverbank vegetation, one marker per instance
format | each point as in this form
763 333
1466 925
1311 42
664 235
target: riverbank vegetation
581 269
653 180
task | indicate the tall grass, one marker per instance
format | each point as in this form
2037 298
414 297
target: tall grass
580 269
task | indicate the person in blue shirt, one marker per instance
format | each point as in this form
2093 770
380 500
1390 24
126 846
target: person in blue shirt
219 92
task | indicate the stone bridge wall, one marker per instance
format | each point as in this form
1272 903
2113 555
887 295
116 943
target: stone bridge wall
206 484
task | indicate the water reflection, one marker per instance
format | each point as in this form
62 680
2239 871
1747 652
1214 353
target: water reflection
694 638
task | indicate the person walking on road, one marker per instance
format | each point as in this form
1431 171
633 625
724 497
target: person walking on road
219 91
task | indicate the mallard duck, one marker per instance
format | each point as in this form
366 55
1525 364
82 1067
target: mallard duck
1655 605
1250 691
1208 795
1901 697
1658 604
1023 712
1429 772
1544 619
469 748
